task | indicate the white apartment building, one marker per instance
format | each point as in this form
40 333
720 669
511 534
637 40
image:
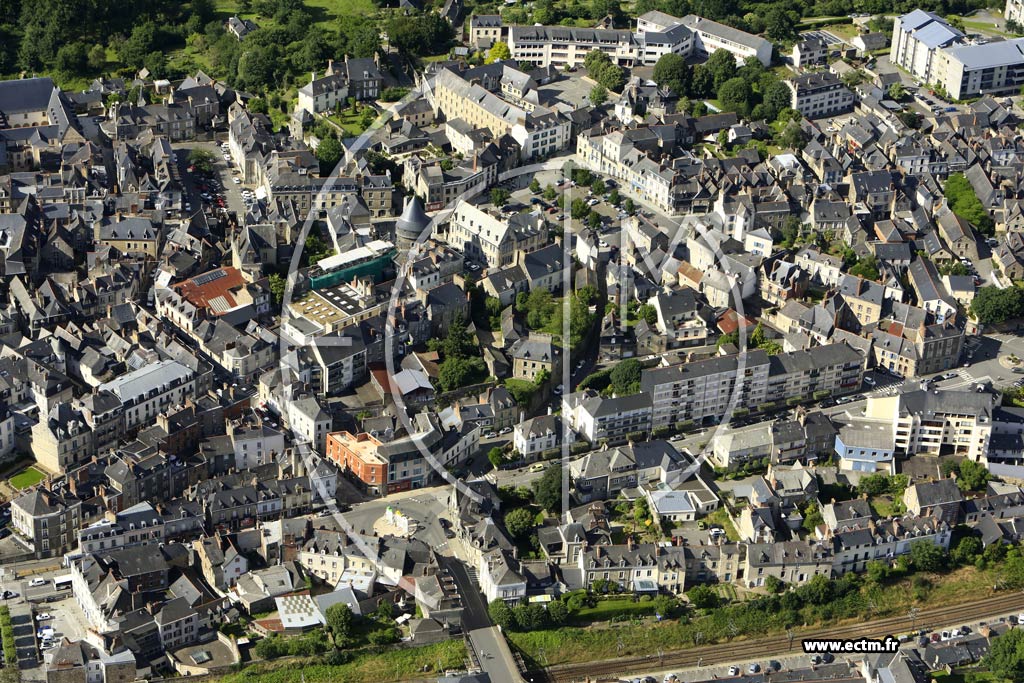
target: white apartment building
819 95
974 70
704 389
151 390
656 34
927 421
563 46
916 37
709 36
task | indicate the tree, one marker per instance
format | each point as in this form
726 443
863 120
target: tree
499 196
672 71
866 268
594 61
598 187
501 614
629 206
498 52
277 287
611 77
97 57
416 35
967 550
775 98
341 622
358 36
896 91
1005 658
992 305
648 313
779 25
927 557
812 517
519 522
973 476
548 489
530 616
613 197
496 456
550 193
792 136
625 377
598 95
535 186
329 154
72 59
579 209
593 220
558 613
202 160
721 66
774 584
459 372
702 597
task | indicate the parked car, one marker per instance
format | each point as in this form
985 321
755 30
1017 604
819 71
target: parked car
559 389
44 616
38 582
870 381
504 430
734 671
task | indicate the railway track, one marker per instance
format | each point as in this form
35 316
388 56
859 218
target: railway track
765 648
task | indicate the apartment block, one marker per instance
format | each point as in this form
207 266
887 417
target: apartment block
818 95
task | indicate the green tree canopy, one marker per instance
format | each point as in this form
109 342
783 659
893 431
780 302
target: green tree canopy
992 305
520 522
548 489
498 52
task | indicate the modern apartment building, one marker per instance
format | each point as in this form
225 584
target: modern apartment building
656 34
703 390
818 95
937 421
916 37
975 70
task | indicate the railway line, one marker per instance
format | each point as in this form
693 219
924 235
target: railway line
766 648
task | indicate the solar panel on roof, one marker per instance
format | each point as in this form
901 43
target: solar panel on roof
207 278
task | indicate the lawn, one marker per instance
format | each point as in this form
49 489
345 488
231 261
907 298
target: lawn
844 31
391 664
606 610
327 12
983 27
30 476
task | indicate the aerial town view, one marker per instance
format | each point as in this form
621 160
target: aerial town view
498 341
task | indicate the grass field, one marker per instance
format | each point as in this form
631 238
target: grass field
27 477
391 664
844 31
607 609
326 12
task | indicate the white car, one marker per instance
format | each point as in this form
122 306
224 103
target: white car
236 181
44 616
505 430
38 582
734 671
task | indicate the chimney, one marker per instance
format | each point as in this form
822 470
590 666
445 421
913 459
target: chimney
629 542
475 157
597 551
